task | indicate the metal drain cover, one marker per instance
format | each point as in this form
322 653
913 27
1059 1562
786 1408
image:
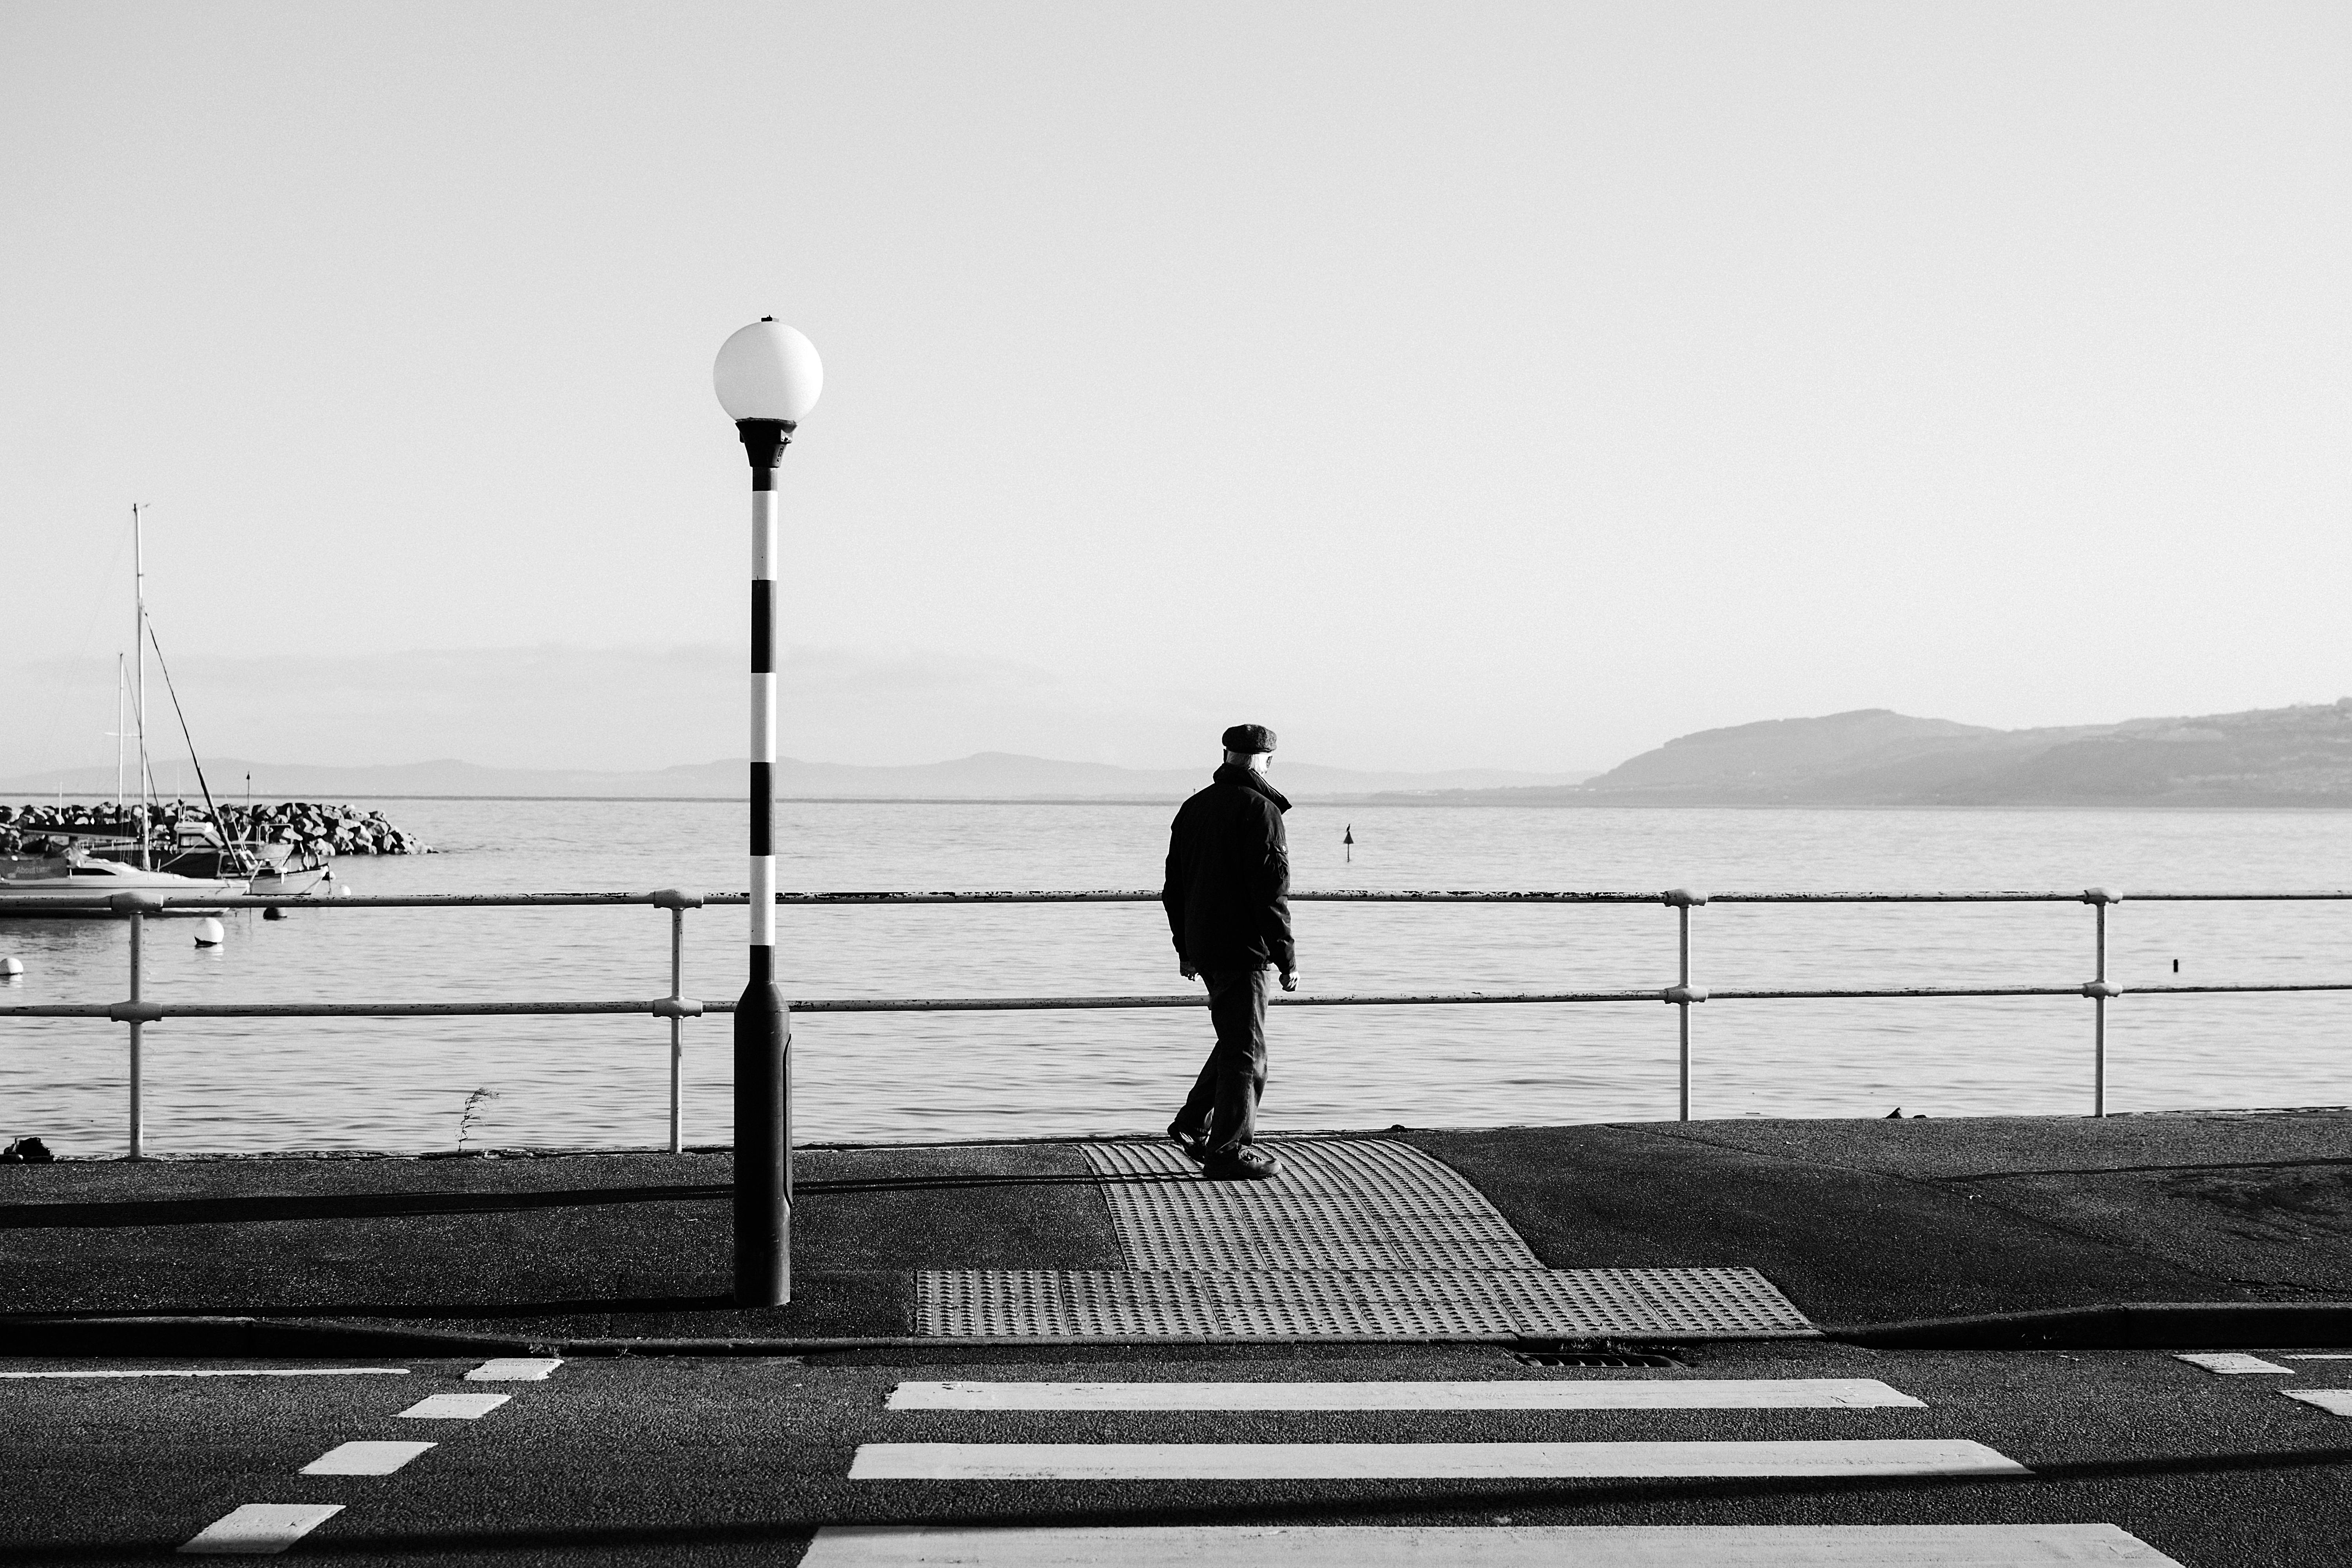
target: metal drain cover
1420 1303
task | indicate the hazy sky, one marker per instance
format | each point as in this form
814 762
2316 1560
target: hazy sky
1498 385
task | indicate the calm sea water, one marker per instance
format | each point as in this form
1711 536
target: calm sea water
310 1084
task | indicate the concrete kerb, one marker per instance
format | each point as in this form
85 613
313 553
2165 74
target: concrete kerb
2121 1325
234 1338
2124 1325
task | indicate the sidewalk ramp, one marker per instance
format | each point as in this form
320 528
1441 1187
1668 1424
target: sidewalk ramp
1357 1239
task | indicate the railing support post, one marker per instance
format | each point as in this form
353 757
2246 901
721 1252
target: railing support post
677 1031
675 1006
1682 994
138 907
2098 991
138 1066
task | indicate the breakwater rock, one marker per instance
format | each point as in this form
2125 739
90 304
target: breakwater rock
311 827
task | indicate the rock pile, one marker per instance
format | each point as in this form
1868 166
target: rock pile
308 826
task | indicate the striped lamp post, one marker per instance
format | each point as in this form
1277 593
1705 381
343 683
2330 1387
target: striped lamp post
767 376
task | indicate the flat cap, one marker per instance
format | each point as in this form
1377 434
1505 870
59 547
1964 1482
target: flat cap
1249 738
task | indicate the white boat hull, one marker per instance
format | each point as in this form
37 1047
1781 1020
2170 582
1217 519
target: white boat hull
82 886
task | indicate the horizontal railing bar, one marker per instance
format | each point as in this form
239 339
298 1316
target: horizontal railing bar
2220 990
150 1009
1192 999
100 902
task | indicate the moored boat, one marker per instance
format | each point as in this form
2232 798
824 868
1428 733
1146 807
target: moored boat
70 885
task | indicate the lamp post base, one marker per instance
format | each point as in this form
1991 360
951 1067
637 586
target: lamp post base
763 1156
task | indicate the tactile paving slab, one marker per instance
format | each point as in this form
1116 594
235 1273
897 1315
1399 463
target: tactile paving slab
1351 1204
1356 1238
1265 1303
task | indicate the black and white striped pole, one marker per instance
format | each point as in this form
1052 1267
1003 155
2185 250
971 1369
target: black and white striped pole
768 376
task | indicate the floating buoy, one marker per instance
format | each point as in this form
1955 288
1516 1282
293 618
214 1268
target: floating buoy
12 967
274 912
209 933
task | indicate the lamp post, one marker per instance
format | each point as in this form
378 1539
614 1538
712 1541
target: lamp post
767 376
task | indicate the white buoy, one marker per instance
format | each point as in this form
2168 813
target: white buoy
12 967
209 933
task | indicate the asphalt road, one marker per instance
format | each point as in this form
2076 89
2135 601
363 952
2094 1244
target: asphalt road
727 1459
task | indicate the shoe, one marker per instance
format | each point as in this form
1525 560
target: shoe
1194 1146
1246 1164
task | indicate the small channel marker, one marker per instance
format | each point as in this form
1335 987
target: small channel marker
767 377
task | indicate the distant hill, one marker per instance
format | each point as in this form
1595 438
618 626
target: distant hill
2266 757
985 775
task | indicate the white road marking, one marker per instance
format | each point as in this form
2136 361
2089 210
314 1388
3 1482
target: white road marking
515 1369
1523 1546
1598 1394
260 1529
363 1459
224 1371
2334 1401
2333 1355
2229 1362
1398 1461
455 1406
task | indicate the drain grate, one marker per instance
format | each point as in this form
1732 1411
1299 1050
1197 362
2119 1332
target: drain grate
1424 1303
1593 1358
1369 1204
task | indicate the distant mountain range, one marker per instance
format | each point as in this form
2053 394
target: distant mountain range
986 776
1872 757
2267 757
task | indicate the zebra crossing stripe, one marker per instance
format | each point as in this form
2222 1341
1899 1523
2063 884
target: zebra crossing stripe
453 1406
2334 1401
1501 1546
1403 1461
2232 1363
516 1369
258 1528
1595 1393
221 1372
363 1459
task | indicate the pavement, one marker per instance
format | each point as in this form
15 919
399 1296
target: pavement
1863 1224
257 1354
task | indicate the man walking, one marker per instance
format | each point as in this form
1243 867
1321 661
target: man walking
1227 897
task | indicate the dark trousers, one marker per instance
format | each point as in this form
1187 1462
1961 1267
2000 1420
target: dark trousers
1223 1101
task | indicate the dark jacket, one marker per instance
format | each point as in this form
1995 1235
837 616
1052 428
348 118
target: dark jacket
1227 892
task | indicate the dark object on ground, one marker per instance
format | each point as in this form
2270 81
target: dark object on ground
26 1151
1246 1164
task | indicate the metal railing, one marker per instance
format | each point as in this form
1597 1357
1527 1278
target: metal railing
137 1011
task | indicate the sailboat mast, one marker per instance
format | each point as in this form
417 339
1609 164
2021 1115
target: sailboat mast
139 643
120 729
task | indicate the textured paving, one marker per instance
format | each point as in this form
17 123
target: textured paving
1371 1204
1357 1239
